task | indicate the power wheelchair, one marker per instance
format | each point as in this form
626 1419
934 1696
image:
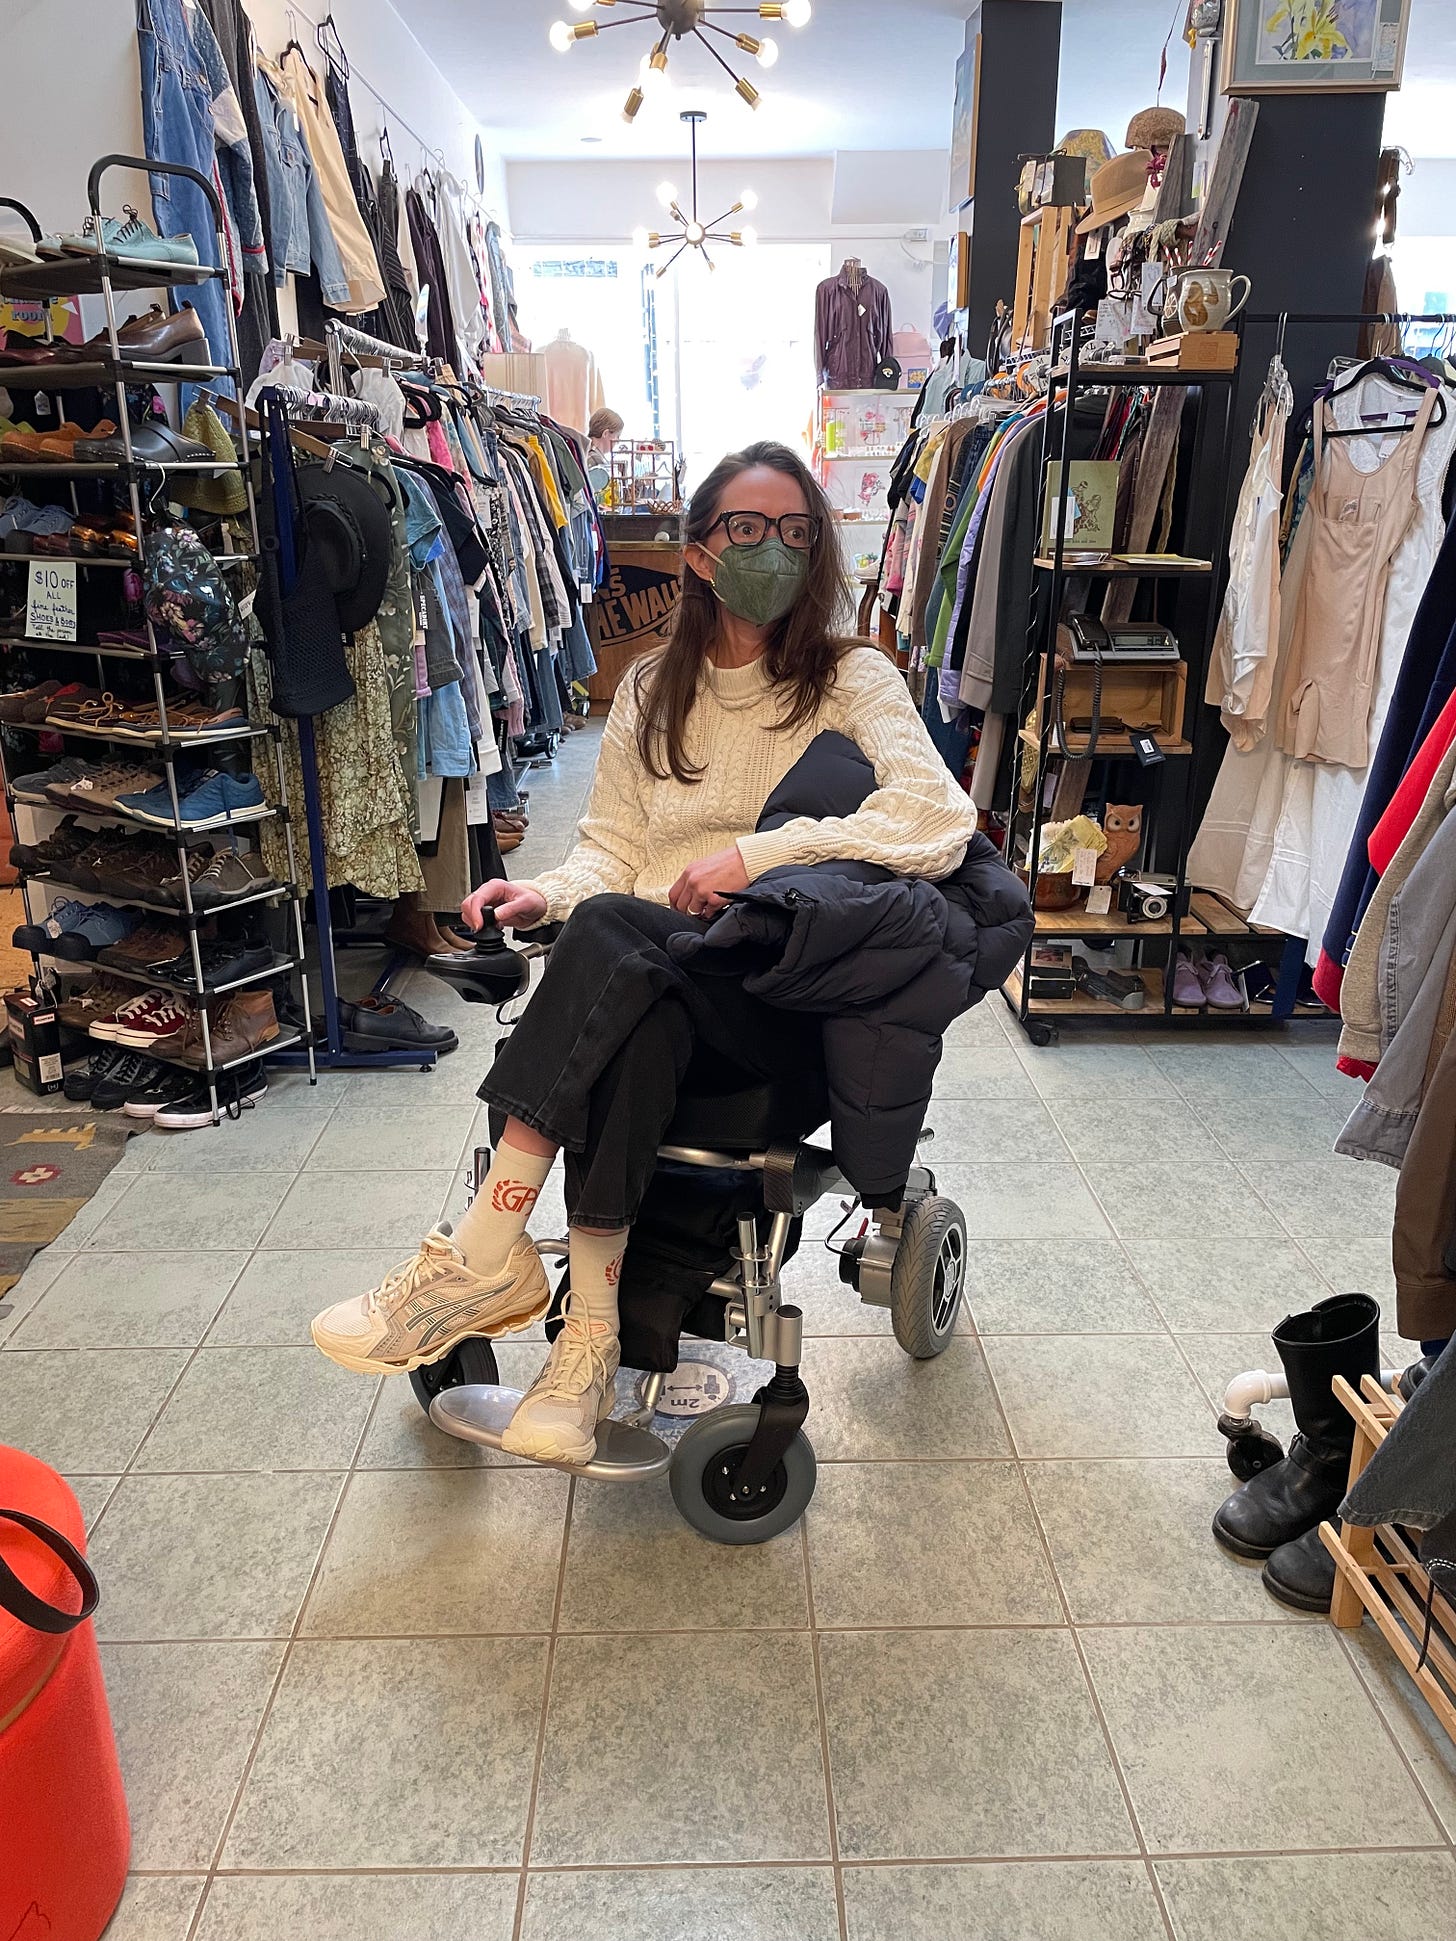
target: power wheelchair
741 1473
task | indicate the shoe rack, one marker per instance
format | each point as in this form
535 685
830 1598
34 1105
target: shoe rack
1378 1570
1188 413
167 744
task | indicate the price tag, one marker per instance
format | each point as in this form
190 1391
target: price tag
1084 868
1099 901
50 605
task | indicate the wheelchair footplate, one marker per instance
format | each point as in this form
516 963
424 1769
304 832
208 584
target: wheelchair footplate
625 1453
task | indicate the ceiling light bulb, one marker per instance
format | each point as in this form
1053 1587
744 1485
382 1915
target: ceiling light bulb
639 238
666 194
561 35
797 13
768 53
748 199
652 75
581 6
748 236
695 232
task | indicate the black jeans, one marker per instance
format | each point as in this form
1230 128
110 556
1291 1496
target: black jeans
596 1062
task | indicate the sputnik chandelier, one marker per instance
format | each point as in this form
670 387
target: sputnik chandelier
692 232
677 19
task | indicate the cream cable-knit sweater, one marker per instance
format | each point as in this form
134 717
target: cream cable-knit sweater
639 834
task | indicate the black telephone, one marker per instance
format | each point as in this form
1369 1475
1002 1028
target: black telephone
1139 641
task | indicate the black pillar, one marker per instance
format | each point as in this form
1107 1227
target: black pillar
1015 115
1303 228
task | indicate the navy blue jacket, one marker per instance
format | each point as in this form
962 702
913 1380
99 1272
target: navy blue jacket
887 963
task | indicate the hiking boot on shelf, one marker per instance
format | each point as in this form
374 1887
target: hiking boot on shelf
237 1092
241 1023
227 875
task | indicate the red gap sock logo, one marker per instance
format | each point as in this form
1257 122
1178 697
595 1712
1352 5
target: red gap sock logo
514 1196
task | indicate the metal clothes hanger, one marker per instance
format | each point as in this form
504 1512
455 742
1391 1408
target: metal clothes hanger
335 55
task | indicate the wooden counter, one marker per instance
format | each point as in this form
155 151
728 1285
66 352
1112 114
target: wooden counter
633 610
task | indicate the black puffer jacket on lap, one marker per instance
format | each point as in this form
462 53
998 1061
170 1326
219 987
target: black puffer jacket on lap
885 963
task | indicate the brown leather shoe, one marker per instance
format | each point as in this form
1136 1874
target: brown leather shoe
241 1023
157 335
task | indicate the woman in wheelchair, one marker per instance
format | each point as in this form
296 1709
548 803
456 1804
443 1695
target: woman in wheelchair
699 736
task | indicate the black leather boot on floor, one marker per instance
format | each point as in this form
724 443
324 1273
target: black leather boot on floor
1302 1574
1340 1336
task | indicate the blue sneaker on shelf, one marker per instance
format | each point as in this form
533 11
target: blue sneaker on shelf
32 788
207 800
127 235
75 931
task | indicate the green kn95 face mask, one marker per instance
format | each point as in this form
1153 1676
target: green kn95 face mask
760 583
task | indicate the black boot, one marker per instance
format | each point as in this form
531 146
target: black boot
1302 1573
1340 1336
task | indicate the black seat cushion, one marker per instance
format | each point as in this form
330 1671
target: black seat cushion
749 1118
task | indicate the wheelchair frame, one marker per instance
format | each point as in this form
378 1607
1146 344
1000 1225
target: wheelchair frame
743 1472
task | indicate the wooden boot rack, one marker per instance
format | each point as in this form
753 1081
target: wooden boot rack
1378 1571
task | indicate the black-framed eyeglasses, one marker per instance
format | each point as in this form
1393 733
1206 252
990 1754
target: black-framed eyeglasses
798 530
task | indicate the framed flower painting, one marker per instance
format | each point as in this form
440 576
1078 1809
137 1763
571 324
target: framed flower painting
1313 46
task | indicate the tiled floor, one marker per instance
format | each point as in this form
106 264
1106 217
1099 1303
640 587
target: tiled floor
372 1687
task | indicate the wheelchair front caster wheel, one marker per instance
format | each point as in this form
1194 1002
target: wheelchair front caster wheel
470 1365
704 1473
1251 1450
928 1277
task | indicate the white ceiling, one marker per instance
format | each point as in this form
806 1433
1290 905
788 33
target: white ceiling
864 74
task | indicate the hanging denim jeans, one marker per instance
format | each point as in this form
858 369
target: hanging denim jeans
177 127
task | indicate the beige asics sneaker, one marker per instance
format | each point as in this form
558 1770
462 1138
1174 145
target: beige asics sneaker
430 1304
558 1417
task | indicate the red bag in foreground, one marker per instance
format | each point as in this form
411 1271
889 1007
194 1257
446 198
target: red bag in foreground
64 1835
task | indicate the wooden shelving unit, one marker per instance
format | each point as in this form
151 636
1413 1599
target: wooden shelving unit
1183 585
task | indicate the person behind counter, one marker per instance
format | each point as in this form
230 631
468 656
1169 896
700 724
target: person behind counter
602 434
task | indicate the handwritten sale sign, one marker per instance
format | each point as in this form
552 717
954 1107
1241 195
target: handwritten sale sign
50 607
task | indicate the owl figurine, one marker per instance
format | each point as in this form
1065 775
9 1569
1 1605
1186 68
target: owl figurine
1123 828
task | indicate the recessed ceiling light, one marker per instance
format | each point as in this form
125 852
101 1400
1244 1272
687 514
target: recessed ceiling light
591 138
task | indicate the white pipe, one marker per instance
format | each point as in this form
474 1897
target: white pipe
1245 1392
1257 1386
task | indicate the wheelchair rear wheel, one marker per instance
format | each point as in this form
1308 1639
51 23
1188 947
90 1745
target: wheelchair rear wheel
704 1466
470 1365
928 1277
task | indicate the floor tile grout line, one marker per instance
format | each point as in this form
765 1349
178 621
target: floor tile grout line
1065 1602
870 1864
1448 1834
543 1722
865 1628
822 1712
165 1404
283 1662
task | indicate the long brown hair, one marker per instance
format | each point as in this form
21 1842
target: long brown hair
802 651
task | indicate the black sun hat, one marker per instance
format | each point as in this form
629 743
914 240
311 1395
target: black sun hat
349 528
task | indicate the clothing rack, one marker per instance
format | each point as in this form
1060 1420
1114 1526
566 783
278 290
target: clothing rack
328 1052
391 113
